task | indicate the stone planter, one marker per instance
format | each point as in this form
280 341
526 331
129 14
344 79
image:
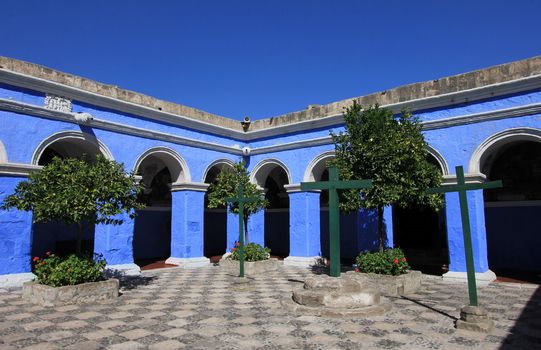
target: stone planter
78 294
396 285
251 268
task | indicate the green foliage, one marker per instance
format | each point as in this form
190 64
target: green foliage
252 252
226 185
73 191
388 262
56 271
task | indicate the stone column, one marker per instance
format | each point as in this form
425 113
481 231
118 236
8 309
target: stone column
455 238
115 243
15 239
187 233
304 227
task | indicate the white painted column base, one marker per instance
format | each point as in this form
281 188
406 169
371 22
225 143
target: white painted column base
15 279
481 278
122 270
302 261
189 263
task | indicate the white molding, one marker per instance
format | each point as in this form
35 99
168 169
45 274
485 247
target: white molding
3 153
220 161
302 261
50 87
15 279
296 188
439 158
319 141
122 269
309 172
189 263
469 178
499 139
184 172
189 186
481 278
265 162
70 135
18 169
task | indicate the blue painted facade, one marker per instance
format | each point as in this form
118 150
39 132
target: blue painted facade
21 135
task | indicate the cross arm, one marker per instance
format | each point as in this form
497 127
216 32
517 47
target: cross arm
360 184
314 186
465 187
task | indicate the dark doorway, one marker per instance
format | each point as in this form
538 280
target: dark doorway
215 222
277 213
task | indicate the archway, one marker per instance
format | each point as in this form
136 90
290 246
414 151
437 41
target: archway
272 175
215 220
57 237
158 169
513 213
422 233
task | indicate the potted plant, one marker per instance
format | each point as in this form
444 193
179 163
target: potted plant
256 259
74 192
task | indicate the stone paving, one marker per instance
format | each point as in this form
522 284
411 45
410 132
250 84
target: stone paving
198 309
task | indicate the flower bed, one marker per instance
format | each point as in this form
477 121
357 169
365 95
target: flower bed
256 260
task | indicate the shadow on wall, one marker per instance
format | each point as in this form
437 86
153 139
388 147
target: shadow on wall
60 239
358 232
525 332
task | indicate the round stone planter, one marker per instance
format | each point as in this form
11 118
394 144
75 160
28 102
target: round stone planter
395 285
251 268
78 294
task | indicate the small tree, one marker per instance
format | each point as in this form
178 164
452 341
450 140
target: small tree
73 191
390 151
226 185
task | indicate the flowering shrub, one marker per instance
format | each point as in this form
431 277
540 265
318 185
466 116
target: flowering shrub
252 252
390 262
56 271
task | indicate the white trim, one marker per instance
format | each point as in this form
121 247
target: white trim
159 151
70 135
319 141
296 188
189 263
309 172
499 139
302 261
469 178
189 186
18 169
221 161
439 158
3 153
15 279
122 269
481 278
270 161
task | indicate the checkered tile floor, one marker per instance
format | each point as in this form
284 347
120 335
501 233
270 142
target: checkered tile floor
199 309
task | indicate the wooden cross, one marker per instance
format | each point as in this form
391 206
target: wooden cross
461 187
240 199
334 212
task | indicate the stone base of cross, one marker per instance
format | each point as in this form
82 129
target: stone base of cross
333 185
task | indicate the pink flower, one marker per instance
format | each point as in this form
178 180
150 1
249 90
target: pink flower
395 261
356 270
404 259
35 259
48 253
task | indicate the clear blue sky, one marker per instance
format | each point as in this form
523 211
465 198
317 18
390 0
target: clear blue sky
264 58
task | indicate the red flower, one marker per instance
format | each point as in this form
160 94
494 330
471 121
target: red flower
404 259
395 261
238 243
233 249
356 270
43 263
48 253
35 259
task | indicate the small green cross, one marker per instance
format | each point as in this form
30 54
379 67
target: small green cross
461 187
332 186
240 199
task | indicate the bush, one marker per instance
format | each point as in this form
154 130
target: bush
252 252
56 271
390 262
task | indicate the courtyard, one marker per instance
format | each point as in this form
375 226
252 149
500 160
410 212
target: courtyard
202 308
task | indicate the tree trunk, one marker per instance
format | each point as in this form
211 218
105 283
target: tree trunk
79 238
246 229
381 230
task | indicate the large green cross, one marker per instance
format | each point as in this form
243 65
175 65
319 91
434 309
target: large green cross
240 199
332 186
461 187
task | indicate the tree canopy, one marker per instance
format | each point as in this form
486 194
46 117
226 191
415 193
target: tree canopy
392 152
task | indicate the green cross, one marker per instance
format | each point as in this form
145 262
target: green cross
334 212
461 187
240 199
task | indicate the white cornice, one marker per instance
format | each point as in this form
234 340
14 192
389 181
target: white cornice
17 169
294 188
190 186
469 178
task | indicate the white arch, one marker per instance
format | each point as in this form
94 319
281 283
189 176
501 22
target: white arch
498 140
439 158
174 162
220 163
3 153
74 137
317 166
260 172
